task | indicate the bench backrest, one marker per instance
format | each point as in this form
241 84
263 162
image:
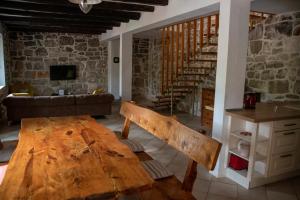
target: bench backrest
198 147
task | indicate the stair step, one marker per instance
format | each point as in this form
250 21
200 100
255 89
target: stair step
208 53
158 108
182 86
193 74
203 60
164 104
189 81
166 100
169 96
211 44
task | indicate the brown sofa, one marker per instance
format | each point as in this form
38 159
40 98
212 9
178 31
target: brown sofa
19 107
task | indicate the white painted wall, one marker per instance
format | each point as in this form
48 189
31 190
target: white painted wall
177 10
114 68
126 66
231 67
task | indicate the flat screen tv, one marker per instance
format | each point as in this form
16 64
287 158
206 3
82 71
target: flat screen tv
62 72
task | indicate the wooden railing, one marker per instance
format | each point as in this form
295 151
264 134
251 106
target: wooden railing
181 43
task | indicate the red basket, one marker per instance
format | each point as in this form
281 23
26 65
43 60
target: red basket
237 163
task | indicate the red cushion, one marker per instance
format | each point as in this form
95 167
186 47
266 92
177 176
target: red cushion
2 172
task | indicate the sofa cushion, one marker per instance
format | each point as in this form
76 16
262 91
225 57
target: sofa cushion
40 101
18 101
93 99
61 100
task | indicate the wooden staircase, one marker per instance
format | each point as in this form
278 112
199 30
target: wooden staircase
189 55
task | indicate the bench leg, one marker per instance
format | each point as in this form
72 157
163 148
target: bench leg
1 145
9 123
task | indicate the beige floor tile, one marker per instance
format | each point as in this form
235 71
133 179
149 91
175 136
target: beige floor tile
178 165
258 193
283 190
165 155
203 173
223 180
223 189
218 197
201 185
200 195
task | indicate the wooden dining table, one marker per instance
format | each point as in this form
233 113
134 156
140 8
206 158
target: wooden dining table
71 158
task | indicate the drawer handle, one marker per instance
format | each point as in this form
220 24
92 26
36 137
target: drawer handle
289 124
290 133
287 155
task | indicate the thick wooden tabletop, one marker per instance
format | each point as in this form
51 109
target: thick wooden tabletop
71 158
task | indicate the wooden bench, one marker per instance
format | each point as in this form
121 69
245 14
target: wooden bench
199 148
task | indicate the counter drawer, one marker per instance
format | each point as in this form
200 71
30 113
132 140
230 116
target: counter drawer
287 125
282 163
285 141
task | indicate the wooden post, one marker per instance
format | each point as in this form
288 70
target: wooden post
177 49
217 25
190 176
182 47
172 53
125 130
201 32
195 39
208 29
167 54
188 42
163 59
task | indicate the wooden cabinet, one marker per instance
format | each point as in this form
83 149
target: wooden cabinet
285 141
274 150
207 107
281 163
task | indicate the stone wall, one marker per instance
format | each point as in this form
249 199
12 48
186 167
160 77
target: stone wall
31 54
274 58
140 64
146 68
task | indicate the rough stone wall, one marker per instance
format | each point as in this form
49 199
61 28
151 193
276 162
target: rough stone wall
146 68
3 91
31 55
154 75
140 67
274 58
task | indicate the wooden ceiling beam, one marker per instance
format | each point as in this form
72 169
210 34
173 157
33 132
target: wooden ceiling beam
47 24
54 21
148 2
123 6
52 17
66 2
59 29
100 15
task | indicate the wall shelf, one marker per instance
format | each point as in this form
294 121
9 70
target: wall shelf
236 152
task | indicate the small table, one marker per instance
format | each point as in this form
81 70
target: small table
71 158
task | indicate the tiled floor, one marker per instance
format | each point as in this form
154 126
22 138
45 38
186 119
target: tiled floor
206 187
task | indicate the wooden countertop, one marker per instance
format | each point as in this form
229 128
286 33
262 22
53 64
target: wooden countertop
265 114
71 158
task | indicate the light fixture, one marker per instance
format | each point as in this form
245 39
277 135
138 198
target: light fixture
85 5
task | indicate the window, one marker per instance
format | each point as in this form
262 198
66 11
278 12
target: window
2 69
